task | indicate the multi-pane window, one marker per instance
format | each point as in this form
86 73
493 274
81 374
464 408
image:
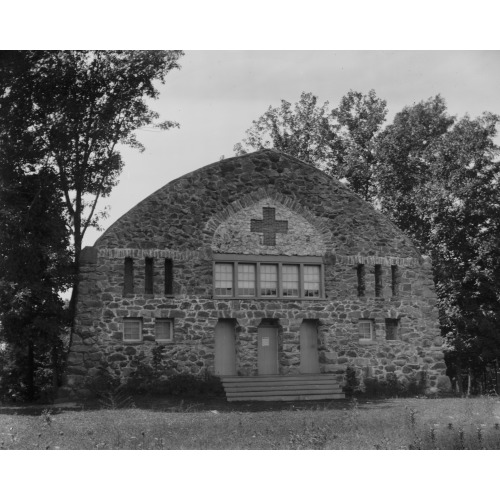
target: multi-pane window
365 329
311 281
164 331
268 279
391 329
224 279
246 280
290 274
132 329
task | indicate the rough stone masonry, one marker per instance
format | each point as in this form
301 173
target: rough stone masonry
373 306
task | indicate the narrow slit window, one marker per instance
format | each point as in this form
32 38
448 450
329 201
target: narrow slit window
268 280
169 277
132 329
246 280
128 282
361 280
164 330
290 280
148 278
391 329
224 279
378 280
312 281
395 280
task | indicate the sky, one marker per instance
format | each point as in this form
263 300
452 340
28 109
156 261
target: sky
216 95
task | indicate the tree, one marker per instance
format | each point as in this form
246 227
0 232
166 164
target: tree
405 162
341 141
360 118
438 180
306 131
73 108
34 267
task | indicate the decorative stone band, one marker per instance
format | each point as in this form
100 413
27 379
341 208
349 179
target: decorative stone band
372 260
250 199
140 253
206 254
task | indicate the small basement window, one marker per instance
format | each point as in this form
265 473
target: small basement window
164 330
132 329
392 329
366 330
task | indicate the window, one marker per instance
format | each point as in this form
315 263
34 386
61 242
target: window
169 277
291 280
148 276
311 281
392 329
361 280
395 280
128 281
132 329
246 280
224 279
365 329
378 280
164 330
270 277
268 280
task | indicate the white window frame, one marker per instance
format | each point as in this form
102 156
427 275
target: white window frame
132 320
277 260
170 322
364 340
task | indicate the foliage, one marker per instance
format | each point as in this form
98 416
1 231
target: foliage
66 112
34 267
339 141
351 382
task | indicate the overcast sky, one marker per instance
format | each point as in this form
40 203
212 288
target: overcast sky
216 95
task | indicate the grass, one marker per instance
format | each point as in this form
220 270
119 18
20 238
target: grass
350 425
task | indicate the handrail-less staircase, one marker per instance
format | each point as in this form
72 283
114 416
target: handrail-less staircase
282 387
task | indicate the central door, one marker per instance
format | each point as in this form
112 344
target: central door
309 362
225 349
267 350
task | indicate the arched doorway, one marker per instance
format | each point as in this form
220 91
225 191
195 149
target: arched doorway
225 347
309 362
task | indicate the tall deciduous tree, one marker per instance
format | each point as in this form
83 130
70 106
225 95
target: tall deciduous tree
341 141
34 268
74 108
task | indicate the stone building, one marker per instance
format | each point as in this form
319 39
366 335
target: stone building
258 265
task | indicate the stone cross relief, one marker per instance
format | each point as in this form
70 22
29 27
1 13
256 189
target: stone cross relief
269 226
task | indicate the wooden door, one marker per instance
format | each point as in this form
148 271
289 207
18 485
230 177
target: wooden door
267 350
309 362
225 348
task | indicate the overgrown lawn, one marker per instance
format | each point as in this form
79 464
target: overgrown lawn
387 424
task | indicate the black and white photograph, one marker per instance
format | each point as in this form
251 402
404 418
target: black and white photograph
244 248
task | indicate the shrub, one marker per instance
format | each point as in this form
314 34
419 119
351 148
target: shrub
351 382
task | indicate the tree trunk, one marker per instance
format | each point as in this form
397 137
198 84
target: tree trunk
31 372
460 385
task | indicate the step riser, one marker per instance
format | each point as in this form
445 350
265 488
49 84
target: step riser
287 398
282 388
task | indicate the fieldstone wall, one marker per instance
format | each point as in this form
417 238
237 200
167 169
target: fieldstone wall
190 219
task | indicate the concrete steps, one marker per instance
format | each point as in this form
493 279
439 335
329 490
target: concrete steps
282 388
